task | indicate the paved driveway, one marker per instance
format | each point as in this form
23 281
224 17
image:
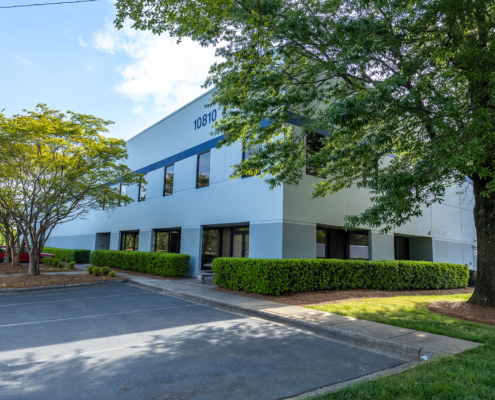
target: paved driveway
120 342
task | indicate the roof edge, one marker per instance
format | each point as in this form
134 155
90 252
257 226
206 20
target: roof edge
171 114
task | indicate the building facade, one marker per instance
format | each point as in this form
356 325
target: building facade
190 205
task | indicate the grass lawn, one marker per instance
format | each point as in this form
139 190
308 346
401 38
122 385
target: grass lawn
470 375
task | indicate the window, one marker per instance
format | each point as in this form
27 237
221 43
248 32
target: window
168 186
166 241
142 192
245 155
239 242
401 248
129 241
212 247
122 191
203 177
314 144
336 243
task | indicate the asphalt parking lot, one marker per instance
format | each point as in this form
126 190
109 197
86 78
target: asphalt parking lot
120 342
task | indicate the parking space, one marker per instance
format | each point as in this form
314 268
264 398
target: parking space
119 341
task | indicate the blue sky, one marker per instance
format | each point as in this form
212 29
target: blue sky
72 58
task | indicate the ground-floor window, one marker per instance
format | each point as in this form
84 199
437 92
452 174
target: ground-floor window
337 243
224 242
129 241
166 241
401 248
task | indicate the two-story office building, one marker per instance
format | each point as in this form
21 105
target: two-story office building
190 205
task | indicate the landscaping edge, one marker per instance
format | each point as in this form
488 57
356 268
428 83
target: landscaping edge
66 286
331 332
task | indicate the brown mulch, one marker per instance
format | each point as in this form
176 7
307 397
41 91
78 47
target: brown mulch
126 271
336 296
23 281
463 310
6 268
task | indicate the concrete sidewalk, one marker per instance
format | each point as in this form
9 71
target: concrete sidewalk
408 342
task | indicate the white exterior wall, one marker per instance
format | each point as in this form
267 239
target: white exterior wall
282 221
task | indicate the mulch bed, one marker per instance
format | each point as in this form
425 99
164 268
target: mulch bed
337 296
126 271
463 310
6 268
24 281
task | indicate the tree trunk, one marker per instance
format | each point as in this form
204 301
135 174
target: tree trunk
34 260
484 219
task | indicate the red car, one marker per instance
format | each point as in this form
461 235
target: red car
24 255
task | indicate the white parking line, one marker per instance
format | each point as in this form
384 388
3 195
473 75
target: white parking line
81 298
97 316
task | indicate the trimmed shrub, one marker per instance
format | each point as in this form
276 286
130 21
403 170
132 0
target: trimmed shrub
46 260
161 264
77 255
105 270
112 274
56 263
71 264
284 275
97 271
90 269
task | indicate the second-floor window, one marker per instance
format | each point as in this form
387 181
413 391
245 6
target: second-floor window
142 192
168 186
203 176
314 144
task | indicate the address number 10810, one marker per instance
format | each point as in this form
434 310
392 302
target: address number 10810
205 119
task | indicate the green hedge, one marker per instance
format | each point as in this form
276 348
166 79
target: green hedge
161 264
77 255
278 276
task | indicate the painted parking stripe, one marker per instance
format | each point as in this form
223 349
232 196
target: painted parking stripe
80 298
97 316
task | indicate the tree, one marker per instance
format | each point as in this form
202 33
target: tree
410 78
57 168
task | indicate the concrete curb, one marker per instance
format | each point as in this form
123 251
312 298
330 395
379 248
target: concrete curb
336 333
66 286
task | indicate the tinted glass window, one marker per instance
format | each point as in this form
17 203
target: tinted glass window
401 248
130 241
358 246
321 243
166 241
168 187
314 145
203 178
142 192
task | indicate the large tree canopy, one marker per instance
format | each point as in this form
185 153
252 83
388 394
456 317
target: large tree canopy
56 168
412 79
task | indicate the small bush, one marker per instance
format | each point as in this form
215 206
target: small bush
161 264
284 275
55 263
97 271
90 269
105 270
46 260
71 264
77 255
112 274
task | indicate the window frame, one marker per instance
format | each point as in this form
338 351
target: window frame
165 180
169 231
139 191
122 236
308 155
347 242
197 169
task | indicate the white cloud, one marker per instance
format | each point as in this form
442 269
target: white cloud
23 60
81 42
158 71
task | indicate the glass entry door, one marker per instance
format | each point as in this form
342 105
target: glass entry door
239 243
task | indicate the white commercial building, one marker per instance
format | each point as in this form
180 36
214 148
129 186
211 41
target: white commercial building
191 206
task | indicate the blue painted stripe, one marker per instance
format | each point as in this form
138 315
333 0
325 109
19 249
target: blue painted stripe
210 144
